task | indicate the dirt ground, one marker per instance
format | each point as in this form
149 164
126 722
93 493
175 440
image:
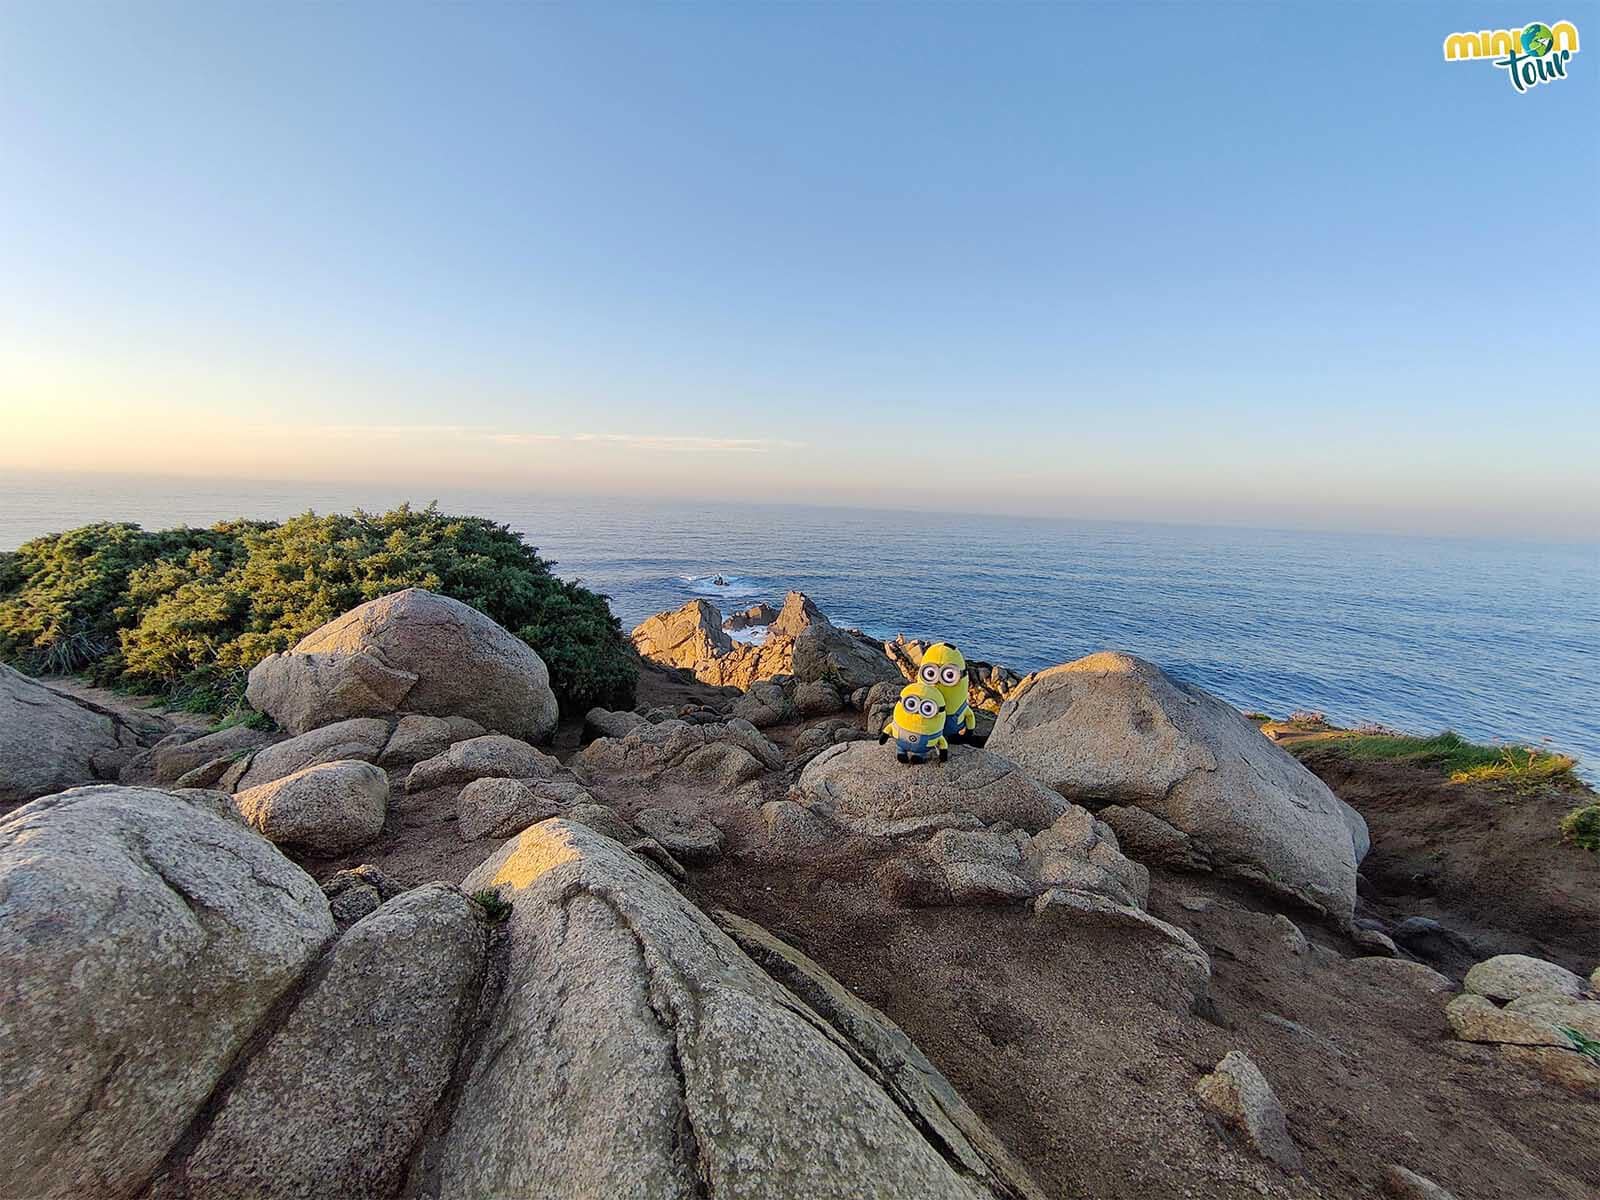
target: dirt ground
1058 1038
1487 862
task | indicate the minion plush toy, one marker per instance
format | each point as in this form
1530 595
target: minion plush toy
917 726
945 669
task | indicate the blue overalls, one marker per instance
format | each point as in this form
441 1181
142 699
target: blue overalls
953 725
916 744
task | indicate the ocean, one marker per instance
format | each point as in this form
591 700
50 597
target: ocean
1499 640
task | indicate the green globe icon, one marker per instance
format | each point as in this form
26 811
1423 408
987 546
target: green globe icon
1537 39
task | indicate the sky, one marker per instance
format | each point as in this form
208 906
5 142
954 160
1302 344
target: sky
1250 263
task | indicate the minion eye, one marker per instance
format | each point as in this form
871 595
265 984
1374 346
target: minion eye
950 674
930 673
929 708
911 704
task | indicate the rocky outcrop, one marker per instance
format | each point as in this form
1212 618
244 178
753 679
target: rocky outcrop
691 635
1113 729
692 840
638 1046
50 740
725 754
333 1103
145 934
800 642
860 788
757 616
325 810
463 664
305 689
601 722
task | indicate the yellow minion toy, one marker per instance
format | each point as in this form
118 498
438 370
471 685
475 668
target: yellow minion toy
945 669
917 726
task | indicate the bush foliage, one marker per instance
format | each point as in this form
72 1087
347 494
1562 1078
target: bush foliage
189 611
1581 827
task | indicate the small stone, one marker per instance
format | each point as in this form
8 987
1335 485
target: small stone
792 826
1292 939
1408 1185
353 903
1428 938
1476 1019
1239 1093
693 840
1375 942
983 883
1512 976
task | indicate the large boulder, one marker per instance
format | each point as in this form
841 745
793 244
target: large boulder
327 810
334 1102
145 934
464 664
50 740
305 689
863 789
641 1049
1114 729
683 638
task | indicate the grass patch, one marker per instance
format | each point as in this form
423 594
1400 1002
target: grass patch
1453 755
1581 827
1585 1045
496 909
248 717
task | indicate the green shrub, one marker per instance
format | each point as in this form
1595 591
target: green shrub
188 612
1581 827
495 908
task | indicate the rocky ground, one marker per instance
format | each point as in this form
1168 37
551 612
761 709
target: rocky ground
1130 949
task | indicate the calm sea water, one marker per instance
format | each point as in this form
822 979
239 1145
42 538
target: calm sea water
1498 640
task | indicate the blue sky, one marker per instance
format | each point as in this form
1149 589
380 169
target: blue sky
1241 262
